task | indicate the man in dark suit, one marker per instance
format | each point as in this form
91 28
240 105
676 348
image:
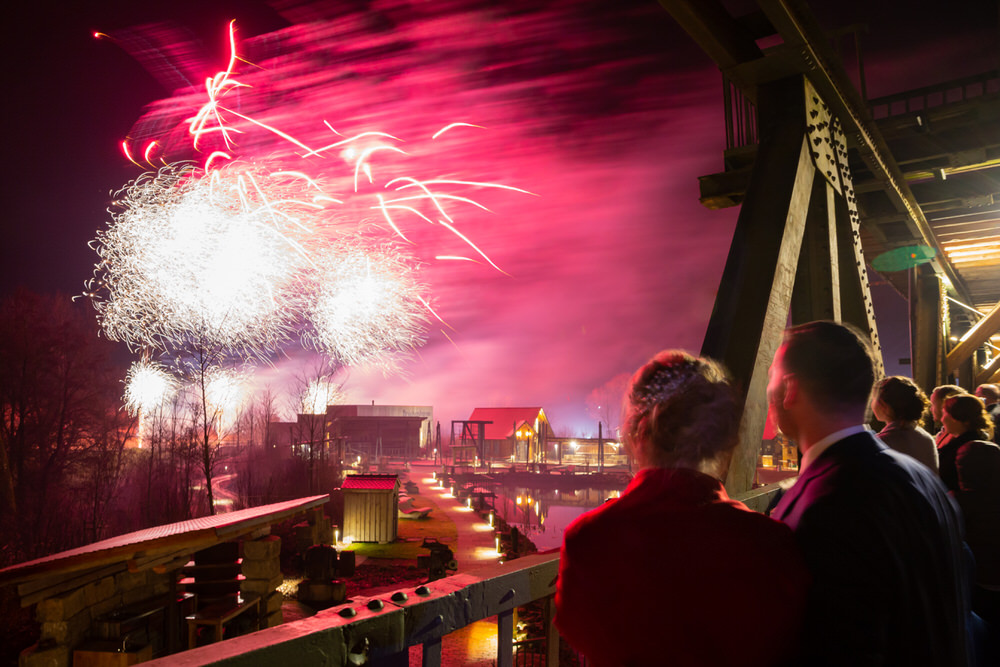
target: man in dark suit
878 530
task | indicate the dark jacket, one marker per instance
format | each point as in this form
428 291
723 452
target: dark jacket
947 453
978 469
668 575
883 540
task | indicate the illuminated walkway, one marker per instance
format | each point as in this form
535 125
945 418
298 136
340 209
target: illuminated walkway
475 644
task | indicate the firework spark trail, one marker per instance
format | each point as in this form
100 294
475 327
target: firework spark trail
243 253
358 148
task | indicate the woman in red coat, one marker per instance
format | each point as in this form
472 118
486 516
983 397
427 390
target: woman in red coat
674 572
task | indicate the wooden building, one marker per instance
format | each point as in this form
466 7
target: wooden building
380 430
518 434
370 507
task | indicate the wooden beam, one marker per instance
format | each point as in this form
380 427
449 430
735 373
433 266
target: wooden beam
816 295
755 293
47 588
926 340
718 34
973 339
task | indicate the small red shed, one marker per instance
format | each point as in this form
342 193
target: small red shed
370 507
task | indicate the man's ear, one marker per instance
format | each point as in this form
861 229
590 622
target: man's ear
791 391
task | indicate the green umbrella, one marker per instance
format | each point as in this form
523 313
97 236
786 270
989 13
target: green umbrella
903 258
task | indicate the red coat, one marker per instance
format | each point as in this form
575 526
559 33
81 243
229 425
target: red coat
675 572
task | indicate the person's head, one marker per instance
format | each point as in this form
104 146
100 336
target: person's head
681 411
938 397
823 368
898 399
990 393
965 412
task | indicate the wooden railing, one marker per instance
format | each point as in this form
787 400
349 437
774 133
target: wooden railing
380 630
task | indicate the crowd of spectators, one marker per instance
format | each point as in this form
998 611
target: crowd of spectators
884 551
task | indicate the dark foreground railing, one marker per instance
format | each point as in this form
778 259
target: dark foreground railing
380 630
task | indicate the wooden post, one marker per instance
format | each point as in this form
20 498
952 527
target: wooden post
600 448
431 655
505 638
551 633
926 346
754 297
816 295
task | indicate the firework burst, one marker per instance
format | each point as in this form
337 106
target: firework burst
203 256
242 255
319 394
148 385
225 395
365 303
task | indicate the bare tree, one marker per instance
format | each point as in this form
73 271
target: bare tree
316 389
57 388
604 403
103 465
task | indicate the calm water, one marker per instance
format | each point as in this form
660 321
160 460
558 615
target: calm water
544 514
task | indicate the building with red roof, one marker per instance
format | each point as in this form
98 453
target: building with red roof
512 434
370 508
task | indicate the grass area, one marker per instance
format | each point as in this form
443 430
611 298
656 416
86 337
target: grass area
412 532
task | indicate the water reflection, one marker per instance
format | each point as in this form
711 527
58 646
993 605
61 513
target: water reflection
542 515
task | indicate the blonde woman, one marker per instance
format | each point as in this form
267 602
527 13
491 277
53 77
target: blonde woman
654 577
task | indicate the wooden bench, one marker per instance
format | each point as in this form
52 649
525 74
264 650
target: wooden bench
220 613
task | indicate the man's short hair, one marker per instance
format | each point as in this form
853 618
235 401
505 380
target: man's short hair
833 363
988 392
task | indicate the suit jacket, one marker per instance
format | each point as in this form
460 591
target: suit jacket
883 541
666 574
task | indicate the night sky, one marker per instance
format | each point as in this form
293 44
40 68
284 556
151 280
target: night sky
606 110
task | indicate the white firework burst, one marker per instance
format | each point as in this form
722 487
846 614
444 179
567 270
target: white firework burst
319 394
365 305
200 257
148 385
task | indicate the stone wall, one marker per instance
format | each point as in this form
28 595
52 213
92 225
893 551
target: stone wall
262 569
66 618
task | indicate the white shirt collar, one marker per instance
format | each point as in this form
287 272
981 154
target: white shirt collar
821 446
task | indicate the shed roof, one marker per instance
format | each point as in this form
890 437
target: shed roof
371 482
170 540
505 420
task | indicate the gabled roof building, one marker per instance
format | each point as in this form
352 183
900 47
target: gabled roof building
511 434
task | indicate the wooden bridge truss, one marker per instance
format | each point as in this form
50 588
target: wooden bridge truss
821 191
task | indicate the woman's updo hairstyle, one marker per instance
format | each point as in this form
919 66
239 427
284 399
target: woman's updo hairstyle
971 411
903 397
683 408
